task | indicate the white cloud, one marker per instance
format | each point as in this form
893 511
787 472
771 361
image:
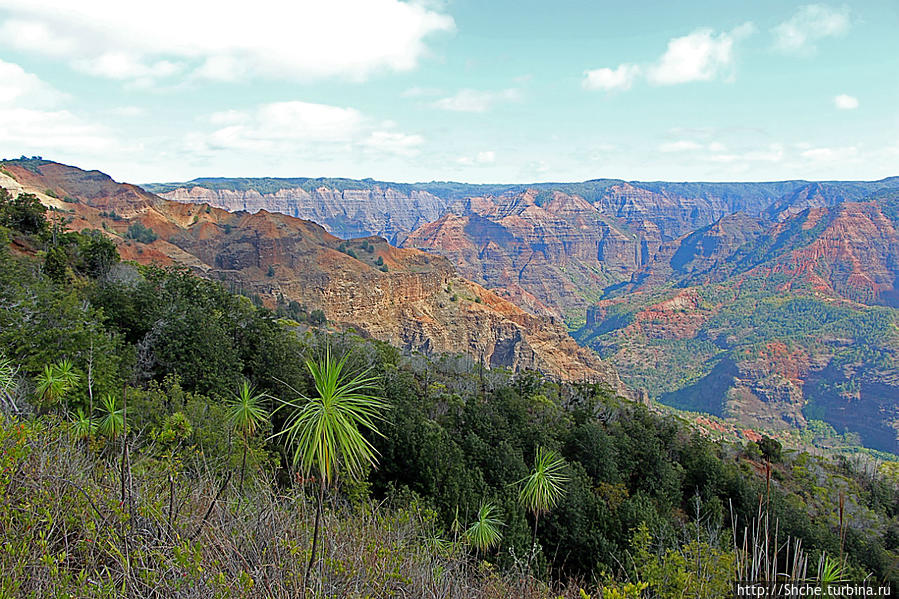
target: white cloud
389 142
831 154
481 158
22 88
228 117
607 79
845 102
773 153
700 56
279 125
24 130
472 100
294 127
31 122
225 41
418 92
118 65
127 111
809 24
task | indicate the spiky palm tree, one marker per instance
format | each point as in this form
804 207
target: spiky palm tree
65 370
246 413
50 388
484 532
55 381
541 490
83 426
112 419
323 433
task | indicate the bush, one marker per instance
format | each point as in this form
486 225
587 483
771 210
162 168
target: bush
24 213
140 233
97 253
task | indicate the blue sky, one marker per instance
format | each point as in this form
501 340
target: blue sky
463 90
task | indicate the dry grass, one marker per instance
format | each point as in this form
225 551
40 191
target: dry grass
67 528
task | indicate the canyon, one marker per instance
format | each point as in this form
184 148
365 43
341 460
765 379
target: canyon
773 304
689 289
402 296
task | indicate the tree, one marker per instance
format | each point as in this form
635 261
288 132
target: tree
323 431
56 261
544 486
24 213
139 232
246 414
97 253
770 448
484 532
112 420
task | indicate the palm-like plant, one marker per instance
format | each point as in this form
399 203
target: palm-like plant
830 571
542 489
83 425
246 414
323 432
484 532
7 382
65 370
50 388
54 381
112 419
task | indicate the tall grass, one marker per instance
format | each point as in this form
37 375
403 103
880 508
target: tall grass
65 530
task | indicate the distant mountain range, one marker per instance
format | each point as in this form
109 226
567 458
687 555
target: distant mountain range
354 207
775 304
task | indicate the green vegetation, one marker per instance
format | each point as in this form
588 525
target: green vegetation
542 489
751 324
139 232
24 213
323 431
246 413
484 533
418 468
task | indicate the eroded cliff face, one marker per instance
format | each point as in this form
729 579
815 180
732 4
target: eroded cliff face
553 247
403 296
772 324
346 213
673 214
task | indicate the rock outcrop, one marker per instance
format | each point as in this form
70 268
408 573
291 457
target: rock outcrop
557 248
347 213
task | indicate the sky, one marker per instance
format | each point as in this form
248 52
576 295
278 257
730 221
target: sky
463 90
